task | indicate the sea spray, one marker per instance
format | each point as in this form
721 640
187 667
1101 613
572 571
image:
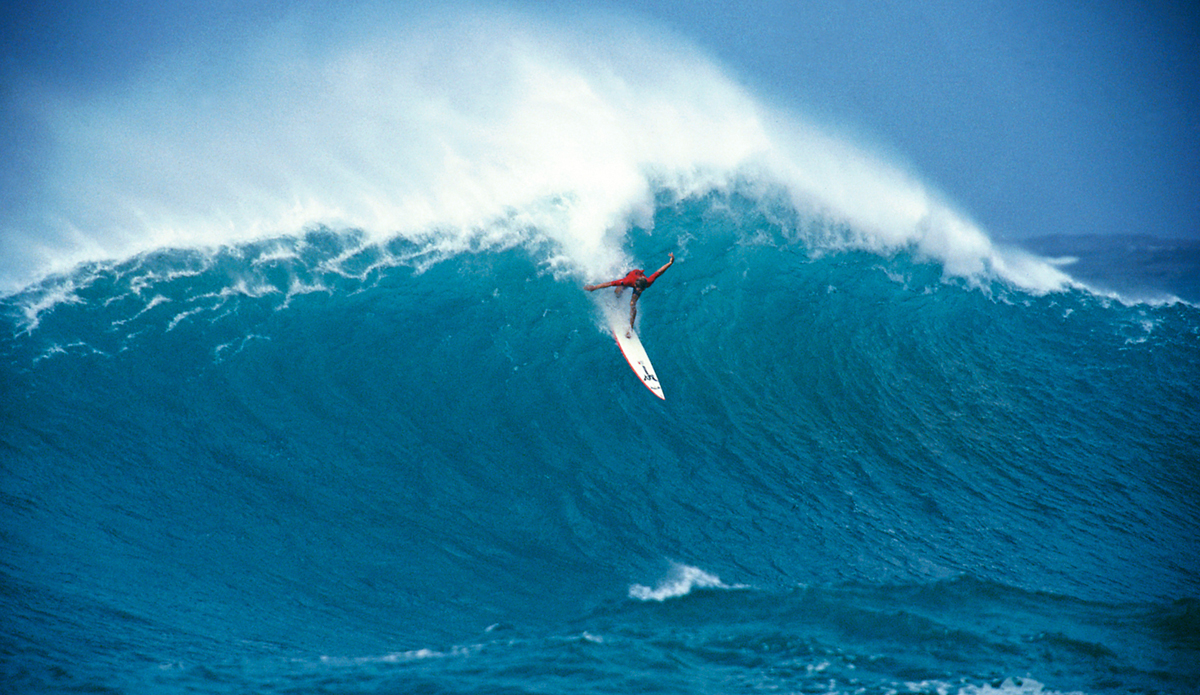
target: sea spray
407 132
680 581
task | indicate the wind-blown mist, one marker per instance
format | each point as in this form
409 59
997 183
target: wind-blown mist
487 130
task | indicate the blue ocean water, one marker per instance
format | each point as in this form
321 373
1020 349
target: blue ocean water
323 462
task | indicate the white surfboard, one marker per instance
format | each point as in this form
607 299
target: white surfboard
635 355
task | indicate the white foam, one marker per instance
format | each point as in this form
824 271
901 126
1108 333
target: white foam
1010 686
39 302
466 133
680 581
400 657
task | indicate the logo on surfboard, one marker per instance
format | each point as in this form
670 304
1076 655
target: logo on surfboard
635 355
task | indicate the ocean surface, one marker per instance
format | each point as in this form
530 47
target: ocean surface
300 392
319 464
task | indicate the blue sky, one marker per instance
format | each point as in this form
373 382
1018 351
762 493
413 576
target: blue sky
1037 117
1034 117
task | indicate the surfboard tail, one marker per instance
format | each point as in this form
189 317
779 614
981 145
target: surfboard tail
639 361
617 318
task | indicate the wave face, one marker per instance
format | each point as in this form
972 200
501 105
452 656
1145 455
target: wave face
324 463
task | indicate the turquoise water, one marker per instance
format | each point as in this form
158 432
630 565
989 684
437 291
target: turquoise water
322 463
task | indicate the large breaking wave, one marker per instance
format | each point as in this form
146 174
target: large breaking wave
299 391
480 130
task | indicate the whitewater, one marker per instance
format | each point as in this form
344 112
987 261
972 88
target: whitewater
300 392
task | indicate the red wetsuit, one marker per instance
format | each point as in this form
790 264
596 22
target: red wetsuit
635 279
631 280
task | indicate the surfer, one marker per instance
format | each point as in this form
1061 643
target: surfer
638 280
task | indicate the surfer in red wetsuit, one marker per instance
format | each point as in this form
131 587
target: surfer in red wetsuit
638 280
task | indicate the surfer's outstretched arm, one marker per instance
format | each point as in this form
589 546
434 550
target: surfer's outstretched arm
658 272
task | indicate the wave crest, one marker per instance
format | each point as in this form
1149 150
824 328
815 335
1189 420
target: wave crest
680 581
494 126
